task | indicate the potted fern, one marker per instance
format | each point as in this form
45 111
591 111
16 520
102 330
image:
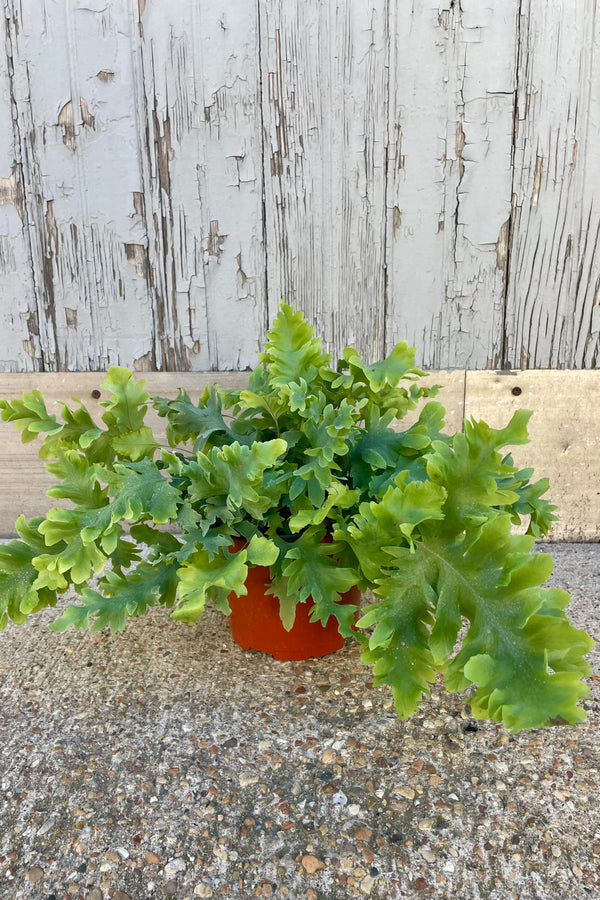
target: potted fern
300 480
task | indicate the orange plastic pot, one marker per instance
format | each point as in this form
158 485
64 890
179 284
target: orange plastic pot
256 624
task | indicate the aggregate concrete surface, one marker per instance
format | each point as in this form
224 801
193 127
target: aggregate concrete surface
167 762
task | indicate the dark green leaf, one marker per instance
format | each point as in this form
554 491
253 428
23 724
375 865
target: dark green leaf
18 594
140 491
312 571
199 423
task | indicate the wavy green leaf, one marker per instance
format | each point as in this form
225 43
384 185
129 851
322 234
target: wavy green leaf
291 351
120 597
399 648
202 578
386 372
339 497
78 431
127 406
140 491
232 477
520 650
261 551
473 472
391 522
29 416
201 423
18 595
288 600
313 571
136 445
78 480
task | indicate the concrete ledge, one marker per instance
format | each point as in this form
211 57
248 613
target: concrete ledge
167 761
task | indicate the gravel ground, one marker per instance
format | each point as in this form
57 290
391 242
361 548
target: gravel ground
168 762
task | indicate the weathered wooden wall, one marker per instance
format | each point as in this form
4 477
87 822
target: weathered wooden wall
168 171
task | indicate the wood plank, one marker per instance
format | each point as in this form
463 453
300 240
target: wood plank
451 395
76 121
19 332
324 85
552 316
422 172
23 479
197 84
565 440
564 446
452 78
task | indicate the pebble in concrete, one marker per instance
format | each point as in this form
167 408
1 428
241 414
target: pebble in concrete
124 754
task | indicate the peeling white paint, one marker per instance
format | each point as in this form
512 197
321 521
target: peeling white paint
555 263
78 143
19 330
424 171
325 109
454 188
198 82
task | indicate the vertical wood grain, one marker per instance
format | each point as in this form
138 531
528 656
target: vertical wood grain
324 89
200 142
452 80
75 118
19 330
425 171
553 301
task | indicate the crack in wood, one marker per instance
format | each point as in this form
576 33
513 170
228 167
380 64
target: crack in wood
11 191
43 312
137 254
537 180
66 121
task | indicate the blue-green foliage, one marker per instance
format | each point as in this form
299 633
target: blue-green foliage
304 471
